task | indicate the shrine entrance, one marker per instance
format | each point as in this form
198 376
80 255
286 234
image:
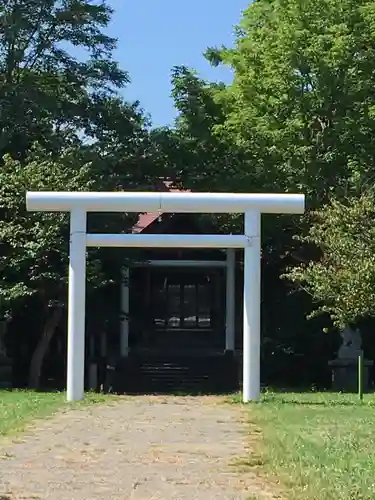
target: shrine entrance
185 309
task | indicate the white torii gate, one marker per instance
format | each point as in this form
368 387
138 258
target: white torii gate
79 203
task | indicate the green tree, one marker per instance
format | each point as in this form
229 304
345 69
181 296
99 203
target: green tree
59 87
204 159
46 93
341 280
203 152
299 116
34 246
301 111
303 94
191 152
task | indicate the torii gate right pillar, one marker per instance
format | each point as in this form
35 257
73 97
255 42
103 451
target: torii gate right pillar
251 309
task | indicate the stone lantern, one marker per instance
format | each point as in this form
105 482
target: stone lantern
345 366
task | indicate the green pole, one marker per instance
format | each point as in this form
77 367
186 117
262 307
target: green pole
360 376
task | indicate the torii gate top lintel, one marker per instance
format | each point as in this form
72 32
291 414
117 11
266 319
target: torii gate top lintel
179 202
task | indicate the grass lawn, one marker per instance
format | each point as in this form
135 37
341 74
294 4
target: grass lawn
20 408
318 445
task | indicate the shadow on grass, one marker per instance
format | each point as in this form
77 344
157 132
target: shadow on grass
282 396
312 402
171 392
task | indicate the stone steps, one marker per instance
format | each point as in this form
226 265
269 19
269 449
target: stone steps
158 374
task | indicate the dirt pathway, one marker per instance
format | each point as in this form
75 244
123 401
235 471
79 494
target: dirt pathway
144 448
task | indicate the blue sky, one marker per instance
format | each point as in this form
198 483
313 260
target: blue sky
155 35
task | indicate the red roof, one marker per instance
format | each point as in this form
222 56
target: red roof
146 219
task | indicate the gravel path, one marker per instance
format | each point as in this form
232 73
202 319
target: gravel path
143 448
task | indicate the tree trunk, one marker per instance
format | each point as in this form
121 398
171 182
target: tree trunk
41 349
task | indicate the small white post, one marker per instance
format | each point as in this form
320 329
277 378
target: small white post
124 325
76 305
251 309
230 301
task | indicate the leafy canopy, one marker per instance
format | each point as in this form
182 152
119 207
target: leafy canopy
33 249
303 95
342 280
47 93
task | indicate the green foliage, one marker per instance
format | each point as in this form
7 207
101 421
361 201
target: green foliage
203 159
87 136
46 93
299 116
342 280
33 246
191 151
303 96
59 90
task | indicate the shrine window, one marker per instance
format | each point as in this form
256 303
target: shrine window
182 300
